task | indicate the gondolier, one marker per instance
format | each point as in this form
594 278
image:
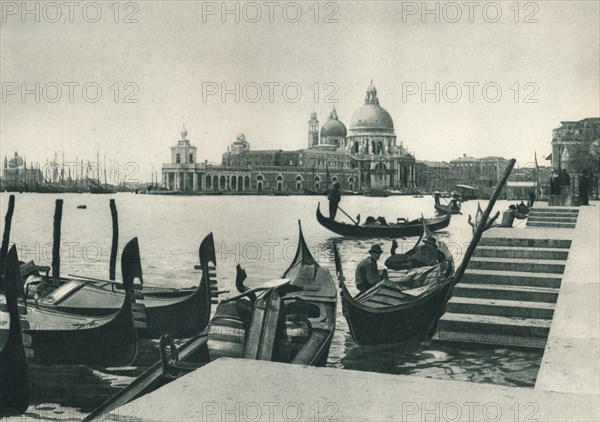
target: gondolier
334 196
367 275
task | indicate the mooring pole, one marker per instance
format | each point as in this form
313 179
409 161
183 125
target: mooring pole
56 242
6 235
115 240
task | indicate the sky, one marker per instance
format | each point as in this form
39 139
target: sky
497 77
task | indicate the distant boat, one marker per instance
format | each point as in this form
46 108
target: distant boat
81 207
378 194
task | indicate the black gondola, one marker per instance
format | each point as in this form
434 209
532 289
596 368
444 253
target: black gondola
181 316
103 341
406 229
14 373
453 207
402 309
293 323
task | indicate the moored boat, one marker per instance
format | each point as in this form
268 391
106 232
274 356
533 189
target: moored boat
403 229
401 307
293 323
181 316
453 207
63 338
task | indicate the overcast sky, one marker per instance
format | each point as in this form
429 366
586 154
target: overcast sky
546 64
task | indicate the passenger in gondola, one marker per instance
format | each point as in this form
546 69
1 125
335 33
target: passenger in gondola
508 217
334 196
367 275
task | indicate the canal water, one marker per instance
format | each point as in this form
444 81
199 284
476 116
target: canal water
260 233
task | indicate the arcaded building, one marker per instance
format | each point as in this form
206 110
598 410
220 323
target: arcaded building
363 157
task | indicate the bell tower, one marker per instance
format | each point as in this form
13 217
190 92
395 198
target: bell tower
313 130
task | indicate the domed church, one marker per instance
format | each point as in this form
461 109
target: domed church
363 157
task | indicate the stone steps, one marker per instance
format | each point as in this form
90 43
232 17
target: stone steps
555 210
492 327
497 307
521 264
508 293
558 218
550 224
516 252
523 242
511 278
494 291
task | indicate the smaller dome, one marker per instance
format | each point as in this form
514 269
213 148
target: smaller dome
333 127
240 137
15 162
313 115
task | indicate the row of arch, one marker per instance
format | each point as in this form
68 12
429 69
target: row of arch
214 182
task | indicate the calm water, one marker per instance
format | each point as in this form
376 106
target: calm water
260 232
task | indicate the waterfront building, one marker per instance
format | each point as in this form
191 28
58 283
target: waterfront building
477 172
16 174
572 143
433 175
363 157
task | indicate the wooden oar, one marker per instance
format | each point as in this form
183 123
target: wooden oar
346 214
100 280
484 218
477 235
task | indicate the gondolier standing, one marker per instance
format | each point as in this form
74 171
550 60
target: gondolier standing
367 275
334 196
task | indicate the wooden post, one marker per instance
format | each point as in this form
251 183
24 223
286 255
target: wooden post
6 235
481 228
115 240
56 242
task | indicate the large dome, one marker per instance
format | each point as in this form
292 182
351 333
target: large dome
333 127
371 115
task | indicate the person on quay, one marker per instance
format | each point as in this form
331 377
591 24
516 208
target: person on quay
531 199
584 188
565 180
367 275
554 183
334 196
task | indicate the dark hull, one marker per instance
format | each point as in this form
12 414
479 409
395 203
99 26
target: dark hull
166 310
14 373
446 209
181 317
396 324
404 230
59 338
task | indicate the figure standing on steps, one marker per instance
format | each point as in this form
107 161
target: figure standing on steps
334 196
584 188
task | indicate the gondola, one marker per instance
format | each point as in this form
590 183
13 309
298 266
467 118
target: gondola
402 307
14 373
181 316
101 341
447 209
293 322
477 222
406 229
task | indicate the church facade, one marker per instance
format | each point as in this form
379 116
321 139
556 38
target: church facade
363 157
